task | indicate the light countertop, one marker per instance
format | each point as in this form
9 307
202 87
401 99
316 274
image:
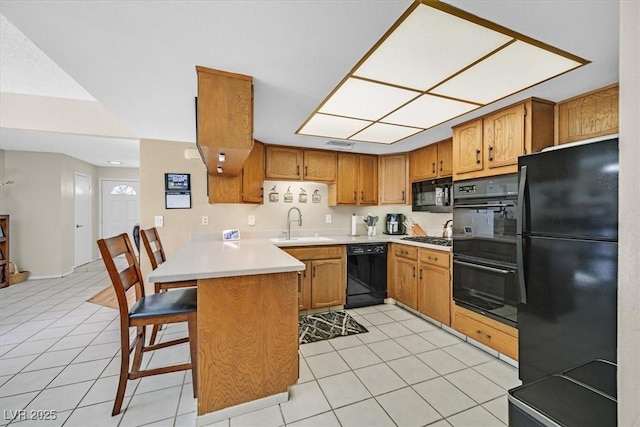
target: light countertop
209 258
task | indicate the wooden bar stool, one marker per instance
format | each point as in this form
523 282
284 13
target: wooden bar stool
157 309
153 246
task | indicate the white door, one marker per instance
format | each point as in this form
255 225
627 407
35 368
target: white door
82 215
120 207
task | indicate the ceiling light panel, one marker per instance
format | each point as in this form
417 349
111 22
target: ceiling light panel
512 69
428 47
428 111
366 100
384 133
333 126
435 63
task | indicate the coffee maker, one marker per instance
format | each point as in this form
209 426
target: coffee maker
395 224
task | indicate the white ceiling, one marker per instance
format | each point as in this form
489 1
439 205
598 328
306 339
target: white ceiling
137 59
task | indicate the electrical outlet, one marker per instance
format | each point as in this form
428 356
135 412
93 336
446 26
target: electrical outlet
327 219
159 221
205 220
252 220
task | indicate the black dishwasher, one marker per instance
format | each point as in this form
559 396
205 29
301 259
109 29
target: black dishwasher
366 274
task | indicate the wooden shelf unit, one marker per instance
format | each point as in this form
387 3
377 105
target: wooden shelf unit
4 251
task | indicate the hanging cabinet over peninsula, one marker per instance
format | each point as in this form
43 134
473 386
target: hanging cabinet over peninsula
224 119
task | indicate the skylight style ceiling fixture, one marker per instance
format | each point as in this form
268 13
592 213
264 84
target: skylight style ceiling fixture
435 63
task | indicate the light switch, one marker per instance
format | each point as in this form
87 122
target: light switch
327 219
159 221
252 220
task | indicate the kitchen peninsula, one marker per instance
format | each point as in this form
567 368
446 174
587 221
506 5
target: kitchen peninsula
247 322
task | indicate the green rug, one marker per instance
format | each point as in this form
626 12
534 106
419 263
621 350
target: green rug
324 326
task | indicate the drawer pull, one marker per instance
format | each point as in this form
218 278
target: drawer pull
488 337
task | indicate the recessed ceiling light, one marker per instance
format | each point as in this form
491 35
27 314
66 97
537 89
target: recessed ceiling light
115 162
435 63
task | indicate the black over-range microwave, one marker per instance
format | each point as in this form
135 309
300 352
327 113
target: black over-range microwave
432 195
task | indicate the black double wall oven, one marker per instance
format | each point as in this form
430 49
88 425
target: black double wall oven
485 272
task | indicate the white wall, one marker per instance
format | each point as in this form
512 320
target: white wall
629 244
41 206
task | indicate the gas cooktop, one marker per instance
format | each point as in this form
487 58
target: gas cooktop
430 239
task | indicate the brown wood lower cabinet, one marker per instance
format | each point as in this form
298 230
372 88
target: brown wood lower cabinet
489 332
403 274
324 279
420 278
434 295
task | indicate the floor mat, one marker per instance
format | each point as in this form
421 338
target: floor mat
324 326
107 298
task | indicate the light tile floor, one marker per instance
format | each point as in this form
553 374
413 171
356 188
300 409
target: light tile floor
59 353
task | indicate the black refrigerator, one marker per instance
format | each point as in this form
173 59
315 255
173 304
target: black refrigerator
567 248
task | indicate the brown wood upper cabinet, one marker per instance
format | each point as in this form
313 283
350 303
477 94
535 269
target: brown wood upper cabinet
283 162
356 182
490 145
224 119
393 179
431 161
589 115
293 164
244 188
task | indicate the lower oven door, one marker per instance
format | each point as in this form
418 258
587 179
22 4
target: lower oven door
487 288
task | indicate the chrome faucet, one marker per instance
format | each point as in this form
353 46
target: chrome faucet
289 221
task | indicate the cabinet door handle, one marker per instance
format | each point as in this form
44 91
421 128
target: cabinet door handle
314 271
306 171
355 196
490 153
298 170
433 168
414 272
403 195
362 195
477 156
440 165
420 274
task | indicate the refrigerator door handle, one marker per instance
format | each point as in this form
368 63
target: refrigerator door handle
521 189
519 242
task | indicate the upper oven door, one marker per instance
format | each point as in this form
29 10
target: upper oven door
485 230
